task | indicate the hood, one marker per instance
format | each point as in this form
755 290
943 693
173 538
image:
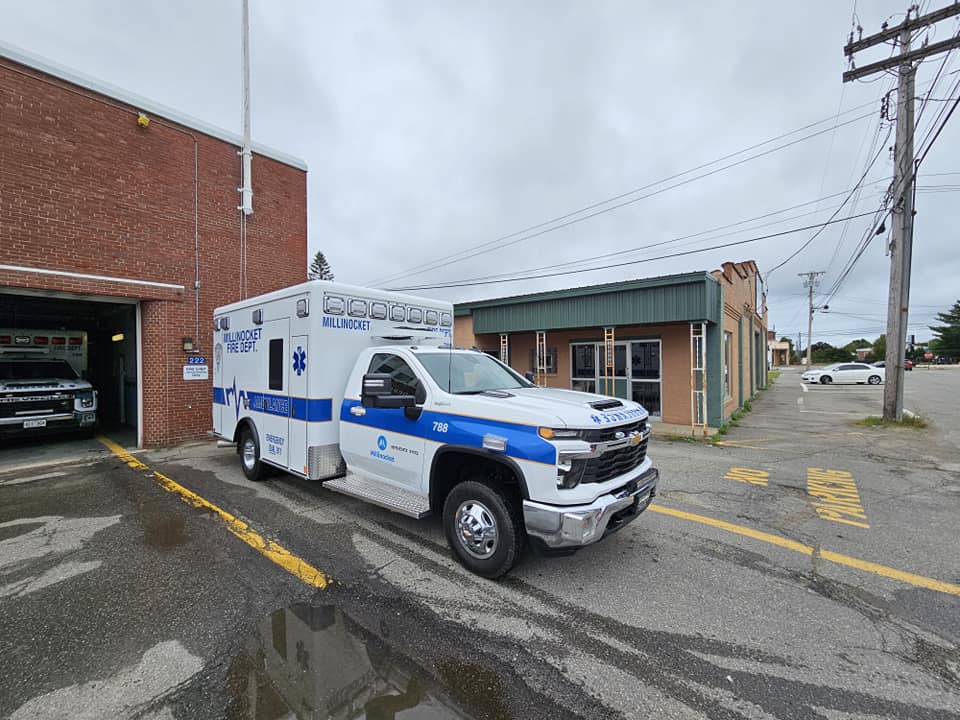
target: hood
552 407
44 384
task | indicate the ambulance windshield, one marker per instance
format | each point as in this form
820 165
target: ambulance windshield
470 373
36 370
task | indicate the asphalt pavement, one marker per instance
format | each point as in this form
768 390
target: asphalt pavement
805 568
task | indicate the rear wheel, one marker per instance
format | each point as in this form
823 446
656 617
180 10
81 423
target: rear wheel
249 449
483 528
874 380
825 379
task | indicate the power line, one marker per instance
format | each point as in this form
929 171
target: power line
542 227
836 212
467 283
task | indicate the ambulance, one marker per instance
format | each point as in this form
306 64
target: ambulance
361 390
42 384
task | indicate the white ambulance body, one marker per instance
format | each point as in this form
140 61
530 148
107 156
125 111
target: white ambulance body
360 389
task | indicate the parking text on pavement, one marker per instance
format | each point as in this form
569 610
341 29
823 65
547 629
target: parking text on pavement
835 497
748 475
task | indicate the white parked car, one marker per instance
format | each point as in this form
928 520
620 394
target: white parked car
848 373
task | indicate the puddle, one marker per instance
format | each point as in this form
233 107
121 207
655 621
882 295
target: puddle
163 527
315 662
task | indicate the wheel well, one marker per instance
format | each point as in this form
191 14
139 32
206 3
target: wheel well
454 466
238 431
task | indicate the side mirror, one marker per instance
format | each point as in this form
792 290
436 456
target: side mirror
375 393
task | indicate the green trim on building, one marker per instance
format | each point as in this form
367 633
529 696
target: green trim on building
672 298
740 361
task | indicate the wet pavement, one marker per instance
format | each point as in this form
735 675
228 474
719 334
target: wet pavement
120 599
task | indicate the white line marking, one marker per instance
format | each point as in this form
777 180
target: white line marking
829 412
803 386
32 478
799 401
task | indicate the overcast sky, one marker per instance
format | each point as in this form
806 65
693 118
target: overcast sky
431 128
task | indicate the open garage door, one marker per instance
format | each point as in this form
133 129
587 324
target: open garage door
42 328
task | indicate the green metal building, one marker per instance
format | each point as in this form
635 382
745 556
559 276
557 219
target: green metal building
690 347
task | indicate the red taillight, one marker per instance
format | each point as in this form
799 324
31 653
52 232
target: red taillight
58 341
76 341
40 340
5 340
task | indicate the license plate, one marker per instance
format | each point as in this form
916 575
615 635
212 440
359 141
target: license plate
34 423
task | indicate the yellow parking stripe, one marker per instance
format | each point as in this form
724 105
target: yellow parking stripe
838 558
269 549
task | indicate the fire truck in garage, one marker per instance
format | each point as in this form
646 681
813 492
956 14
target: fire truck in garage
42 383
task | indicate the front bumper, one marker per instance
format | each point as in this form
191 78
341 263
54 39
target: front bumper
578 525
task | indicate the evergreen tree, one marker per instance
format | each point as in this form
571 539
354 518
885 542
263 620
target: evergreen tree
319 269
946 338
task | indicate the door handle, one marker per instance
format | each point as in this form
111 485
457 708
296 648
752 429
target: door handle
358 410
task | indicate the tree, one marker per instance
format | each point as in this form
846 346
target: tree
319 268
946 340
879 351
821 352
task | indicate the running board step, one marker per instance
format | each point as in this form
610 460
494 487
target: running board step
378 493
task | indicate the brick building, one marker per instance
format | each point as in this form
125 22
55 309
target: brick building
691 348
119 217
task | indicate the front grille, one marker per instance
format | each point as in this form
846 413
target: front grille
11 407
610 433
614 463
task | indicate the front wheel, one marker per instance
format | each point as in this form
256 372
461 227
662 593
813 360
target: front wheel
874 380
249 449
826 380
483 528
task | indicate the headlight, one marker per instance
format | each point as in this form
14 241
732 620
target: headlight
85 398
569 472
552 434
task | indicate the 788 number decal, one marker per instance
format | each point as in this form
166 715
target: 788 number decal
440 427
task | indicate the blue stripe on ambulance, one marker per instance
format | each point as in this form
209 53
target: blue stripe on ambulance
308 409
523 442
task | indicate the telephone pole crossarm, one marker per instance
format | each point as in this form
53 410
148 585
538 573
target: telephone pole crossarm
891 33
896 60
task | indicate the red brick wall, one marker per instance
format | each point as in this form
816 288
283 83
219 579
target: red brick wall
84 189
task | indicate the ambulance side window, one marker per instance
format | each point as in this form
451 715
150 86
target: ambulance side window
404 381
276 364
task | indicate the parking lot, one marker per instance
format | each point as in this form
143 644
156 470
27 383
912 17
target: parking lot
804 567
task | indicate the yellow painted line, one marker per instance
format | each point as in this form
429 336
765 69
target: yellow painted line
269 549
838 558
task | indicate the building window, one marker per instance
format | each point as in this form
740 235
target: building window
550 361
583 367
727 364
275 372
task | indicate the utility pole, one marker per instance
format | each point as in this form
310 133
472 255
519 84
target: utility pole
799 345
812 281
901 243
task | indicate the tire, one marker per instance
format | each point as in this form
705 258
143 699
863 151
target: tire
249 450
825 379
471 510
874 380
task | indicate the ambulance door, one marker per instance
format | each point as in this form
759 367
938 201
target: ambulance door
387 444
219 401
299 404
272 407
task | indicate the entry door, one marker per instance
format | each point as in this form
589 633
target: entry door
273 406
620 384
218 387
299 403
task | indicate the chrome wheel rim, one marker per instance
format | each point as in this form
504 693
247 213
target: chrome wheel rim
476 529
249 453
874 380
